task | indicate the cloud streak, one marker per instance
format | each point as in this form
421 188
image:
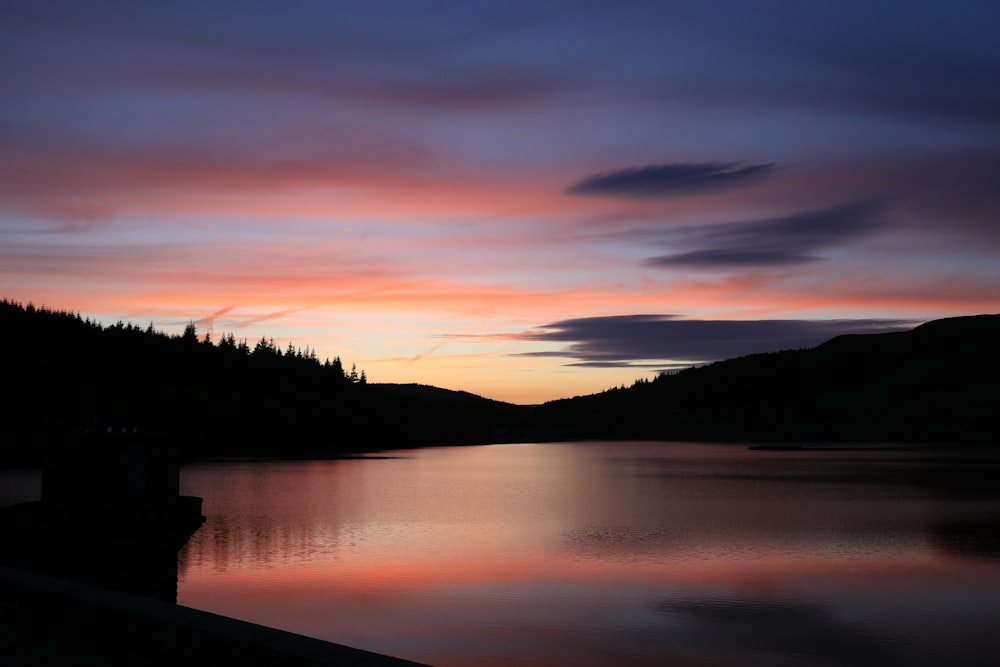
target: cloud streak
629 340
671 180
793 239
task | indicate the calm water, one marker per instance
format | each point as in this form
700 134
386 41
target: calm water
607 553
610 554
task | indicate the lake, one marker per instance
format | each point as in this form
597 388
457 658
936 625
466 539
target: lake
611 553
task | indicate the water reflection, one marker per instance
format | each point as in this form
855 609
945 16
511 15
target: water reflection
609 553
768 627
976 535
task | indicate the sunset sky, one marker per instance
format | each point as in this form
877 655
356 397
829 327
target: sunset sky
525 200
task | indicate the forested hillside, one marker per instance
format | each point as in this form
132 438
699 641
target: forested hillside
939 382
68 376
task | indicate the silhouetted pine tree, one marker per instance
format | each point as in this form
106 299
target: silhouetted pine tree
70 375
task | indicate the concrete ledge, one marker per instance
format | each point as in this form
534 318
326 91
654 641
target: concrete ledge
56 621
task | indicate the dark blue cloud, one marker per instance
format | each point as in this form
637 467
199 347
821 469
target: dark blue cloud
480 90
935 67
793 239
669 180
901 73
628 340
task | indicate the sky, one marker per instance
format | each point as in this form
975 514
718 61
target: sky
524 200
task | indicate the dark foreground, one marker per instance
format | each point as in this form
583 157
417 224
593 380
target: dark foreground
47 621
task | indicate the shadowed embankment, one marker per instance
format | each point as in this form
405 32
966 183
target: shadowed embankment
48 621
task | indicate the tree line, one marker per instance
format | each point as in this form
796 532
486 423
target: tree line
70 375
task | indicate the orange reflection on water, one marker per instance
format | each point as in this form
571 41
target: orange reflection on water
566 554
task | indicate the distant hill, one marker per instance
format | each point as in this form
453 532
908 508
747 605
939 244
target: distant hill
66 376
426 415
939 382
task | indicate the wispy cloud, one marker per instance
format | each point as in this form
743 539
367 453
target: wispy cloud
923 81
269 316
628 340
793 239
208 321
670 180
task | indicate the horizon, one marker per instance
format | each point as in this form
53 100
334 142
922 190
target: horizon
215 337
525 202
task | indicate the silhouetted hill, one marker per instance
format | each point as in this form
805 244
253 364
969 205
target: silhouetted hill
427 415
67 376
935 383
